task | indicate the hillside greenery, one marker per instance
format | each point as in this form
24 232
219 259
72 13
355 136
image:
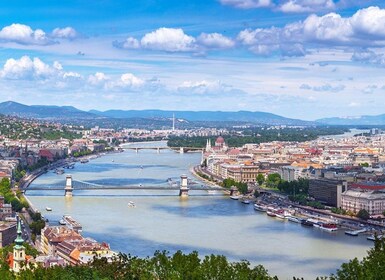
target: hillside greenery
258 135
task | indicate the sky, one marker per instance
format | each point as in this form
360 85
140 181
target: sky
305 59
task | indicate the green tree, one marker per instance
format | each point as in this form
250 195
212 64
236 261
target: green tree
260 179
273 180
363 214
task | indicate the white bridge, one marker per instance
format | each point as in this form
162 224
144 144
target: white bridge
71 185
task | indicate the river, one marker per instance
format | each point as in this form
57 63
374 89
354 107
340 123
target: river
208 223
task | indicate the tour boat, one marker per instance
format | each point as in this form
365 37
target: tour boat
260 207
270 213
329 227
131 204
280 214
306 223
48 209
294 219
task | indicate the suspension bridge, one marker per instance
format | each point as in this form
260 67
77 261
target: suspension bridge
69 186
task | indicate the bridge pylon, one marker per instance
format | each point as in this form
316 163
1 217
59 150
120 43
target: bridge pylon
183 190
68 187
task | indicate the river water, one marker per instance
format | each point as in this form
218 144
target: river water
207 223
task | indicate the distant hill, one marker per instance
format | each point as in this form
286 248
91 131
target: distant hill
354 120
43 112
240 116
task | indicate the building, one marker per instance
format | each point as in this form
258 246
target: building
369 196
51 236
7 233
5 209
18 259
327 191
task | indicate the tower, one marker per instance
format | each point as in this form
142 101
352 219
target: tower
68 187
18 250
183 190
208 145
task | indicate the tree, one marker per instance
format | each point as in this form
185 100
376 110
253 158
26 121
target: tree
363 214
260 179
273 180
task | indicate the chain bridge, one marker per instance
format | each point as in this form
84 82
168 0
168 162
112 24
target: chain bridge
69 185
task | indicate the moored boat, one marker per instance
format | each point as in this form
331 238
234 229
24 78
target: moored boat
306 223
260 207
235 197
246 201
62 222
48 209
373 237
293 219
329 227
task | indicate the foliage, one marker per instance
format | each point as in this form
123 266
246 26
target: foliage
273 180
260 179
316 204
300 186
338 211
370 268
10 197
363 214
160 266
29 250
258 135
82 153
228 183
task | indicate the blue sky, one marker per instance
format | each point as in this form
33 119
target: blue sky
303 59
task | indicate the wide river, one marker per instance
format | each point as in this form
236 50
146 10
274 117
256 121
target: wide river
207 223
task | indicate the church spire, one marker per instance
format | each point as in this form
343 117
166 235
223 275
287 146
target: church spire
19 239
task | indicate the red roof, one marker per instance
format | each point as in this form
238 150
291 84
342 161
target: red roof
369 186
220 140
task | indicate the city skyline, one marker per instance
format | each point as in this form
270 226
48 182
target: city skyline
296 58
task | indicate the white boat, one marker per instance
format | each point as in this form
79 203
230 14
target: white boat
59 171
131 204
260 207
48 209
373 237
329 227
294 219
235 197
246 201
62 222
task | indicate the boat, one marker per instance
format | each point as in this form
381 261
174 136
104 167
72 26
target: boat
48 209
373 237
131 204
84 160
294 219
72 223
329 227
59 171
260 207
270 213
246 201
62 222
112 160
306 223
235 197
280 214
355 232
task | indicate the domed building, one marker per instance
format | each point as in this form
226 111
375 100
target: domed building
220 144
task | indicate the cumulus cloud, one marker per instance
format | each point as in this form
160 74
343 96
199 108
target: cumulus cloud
363 29
168 39
306 6
23 34
368 56
215 41
65 33
27 68
247 4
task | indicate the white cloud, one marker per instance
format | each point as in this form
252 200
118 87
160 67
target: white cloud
305 6
129 43
23 34
205 87
168 39
65 33
130 80
325 87
215 41
27 68
247 4
98 79
368 56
